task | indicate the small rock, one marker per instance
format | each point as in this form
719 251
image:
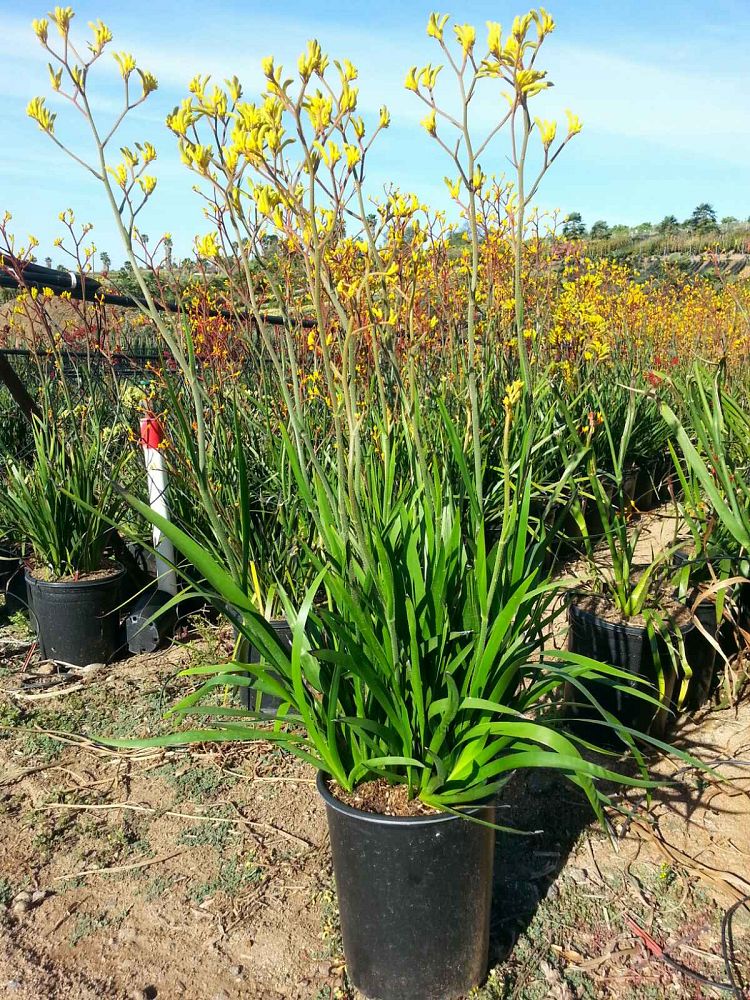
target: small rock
577 875
25 900
236 971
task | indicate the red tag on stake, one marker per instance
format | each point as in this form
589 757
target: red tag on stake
152 432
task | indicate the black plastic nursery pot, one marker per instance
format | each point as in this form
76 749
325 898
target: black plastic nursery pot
268 704
414 896
701 655
12 583
724 630
627 647
77 621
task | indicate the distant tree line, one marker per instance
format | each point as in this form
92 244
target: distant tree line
702 220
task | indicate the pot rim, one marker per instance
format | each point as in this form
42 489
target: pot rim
576 609
369 817
80 584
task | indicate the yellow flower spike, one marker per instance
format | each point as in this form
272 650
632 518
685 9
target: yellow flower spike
348 99
428 123
512 396
411 80
200 157
126 62
494 38
305 63
547 131
428 76
521 26
359 127
216 103
574 123
385 117
147 184
235 89
353 156
55 77
207 246
319 110
348 71
120 174
331 153
466 35
102 35
62 16
531 81
267 66
41 28
149 153
545 23
181 118
454 187
313 61
44 118
198 86
148 82
478 179
436 25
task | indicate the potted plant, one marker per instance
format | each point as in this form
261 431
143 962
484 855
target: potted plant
245 651
430 690
420 684
718 456
702 577
60 506
626 613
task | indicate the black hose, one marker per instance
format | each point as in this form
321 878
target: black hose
82 287
727 949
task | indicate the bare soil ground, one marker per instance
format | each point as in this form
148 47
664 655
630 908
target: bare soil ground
206 875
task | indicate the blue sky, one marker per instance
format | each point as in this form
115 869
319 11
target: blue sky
662 88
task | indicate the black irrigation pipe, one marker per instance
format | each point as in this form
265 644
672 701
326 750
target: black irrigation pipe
727 948
81 287
96 355
85 288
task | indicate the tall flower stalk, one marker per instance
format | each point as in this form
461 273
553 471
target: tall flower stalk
511 61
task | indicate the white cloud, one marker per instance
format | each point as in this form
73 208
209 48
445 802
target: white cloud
635 98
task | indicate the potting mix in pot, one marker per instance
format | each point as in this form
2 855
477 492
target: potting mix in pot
408 455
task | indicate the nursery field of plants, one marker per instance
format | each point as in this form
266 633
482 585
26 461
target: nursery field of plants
375 582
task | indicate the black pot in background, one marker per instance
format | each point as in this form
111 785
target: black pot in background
12 583
414 896
652 484
627 647
725 631
77 621
250 698
701 655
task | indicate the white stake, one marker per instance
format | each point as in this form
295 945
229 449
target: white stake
152 434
